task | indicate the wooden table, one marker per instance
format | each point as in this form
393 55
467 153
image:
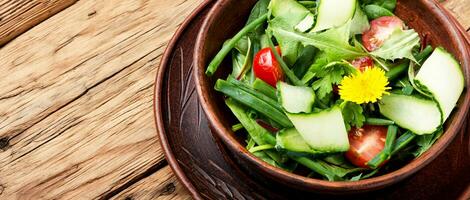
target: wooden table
76 118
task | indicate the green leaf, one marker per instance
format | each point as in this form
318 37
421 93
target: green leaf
339 171
290 48
321 59
305 60
375 11
329 75
335 41
425 142
241 63
293 16
359 23
399 45
258 10
387 4
352 115
293 13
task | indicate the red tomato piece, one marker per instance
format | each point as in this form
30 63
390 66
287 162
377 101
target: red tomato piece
267 68
363 63
365 143
380 30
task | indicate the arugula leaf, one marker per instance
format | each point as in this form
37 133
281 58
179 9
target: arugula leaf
290 48
306 59
352 115
387 4
335 41
293 16
375 11
399 45
359 22
329 75
258 10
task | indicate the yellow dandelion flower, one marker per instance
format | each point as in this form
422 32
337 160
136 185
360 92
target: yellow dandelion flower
364 87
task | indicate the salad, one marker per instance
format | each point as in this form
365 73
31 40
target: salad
342 89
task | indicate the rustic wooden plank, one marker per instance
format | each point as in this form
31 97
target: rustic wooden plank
461 10
57 61
90 147
76 107
161 185
18 16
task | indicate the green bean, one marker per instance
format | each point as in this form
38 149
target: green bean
387 151
397 71
251 101
219 57
265 88
403 141
424 54
379 122
255 93
261 148
290 75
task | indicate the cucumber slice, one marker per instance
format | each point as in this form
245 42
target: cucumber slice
291 140
323 131
296 99
334 13
421 116
294 13
442 76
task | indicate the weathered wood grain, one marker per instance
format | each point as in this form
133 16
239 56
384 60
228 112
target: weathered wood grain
76 107
461 10
161 185
17 16
76 116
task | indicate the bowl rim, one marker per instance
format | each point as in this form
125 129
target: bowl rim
227 135
158 86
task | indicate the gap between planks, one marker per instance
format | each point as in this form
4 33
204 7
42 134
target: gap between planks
18 16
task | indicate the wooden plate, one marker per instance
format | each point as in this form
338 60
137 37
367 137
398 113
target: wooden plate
204 167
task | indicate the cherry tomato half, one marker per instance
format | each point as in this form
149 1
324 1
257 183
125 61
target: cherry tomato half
266 66
363 63
365 143
380 30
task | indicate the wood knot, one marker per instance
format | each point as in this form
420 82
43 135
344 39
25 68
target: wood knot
168 189
4 143
129 198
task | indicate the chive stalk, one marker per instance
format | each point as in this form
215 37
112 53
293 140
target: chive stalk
387 151
379 122
255 93
261 148
397 71
253 102
219 57
424 54
289 73
265 88
403 141
237 127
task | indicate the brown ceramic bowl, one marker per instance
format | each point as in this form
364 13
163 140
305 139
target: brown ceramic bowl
227 17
